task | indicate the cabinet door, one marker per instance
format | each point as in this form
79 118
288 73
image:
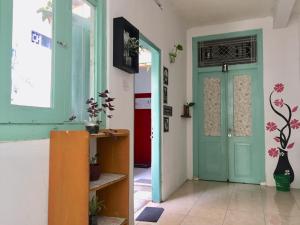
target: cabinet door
68 178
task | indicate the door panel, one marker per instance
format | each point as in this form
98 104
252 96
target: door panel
244 149
212 127
229 106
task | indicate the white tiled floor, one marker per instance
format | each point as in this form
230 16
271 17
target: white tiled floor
142 191
214 203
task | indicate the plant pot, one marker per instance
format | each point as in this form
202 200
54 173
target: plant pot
95 172
283 166
172 57
282 182
92 129
92 220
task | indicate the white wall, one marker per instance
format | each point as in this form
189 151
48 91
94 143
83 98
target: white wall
281 64
142 81
24 182
24 165
164 29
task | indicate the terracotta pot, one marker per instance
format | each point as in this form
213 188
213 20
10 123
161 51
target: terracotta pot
95 172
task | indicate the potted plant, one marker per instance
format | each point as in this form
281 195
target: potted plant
131 46
95 170
173 53
93 109
95 206
283 174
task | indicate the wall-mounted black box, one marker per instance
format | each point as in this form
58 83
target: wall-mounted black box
122 58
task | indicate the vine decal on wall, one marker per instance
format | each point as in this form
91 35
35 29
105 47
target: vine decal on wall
283 134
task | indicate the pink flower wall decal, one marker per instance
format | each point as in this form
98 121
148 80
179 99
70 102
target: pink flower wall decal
277 139
295 124
271 126
279 87
273 152
290 146
295 109
279 102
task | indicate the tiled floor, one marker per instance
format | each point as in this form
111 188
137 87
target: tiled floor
142 187
213 203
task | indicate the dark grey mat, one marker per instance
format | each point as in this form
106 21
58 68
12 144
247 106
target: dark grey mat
150 214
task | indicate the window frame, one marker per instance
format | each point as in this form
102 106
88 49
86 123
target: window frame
15 120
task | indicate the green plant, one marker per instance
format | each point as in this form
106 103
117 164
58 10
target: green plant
174 52
94 159
133 45
95 206
46 11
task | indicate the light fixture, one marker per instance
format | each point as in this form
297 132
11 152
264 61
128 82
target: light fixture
225 67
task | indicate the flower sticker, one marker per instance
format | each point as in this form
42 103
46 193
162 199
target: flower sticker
279 87
290 146
294 109
295 124
271 126
279 102
273 152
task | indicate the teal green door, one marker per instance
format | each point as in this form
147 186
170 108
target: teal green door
230 125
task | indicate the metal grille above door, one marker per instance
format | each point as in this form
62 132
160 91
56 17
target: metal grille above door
241 50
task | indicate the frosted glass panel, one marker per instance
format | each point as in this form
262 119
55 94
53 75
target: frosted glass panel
242 106
212 106
31 53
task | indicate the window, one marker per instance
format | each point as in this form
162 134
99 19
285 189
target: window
48 63
31 69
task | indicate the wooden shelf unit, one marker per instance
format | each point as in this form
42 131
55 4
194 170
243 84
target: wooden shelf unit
69 185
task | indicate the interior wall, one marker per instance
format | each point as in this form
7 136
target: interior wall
24 164
142 81
281 65
164 29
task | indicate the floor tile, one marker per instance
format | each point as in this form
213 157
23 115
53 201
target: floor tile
200 220
243 218
276 219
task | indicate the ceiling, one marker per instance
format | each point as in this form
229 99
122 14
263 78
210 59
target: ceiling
207 12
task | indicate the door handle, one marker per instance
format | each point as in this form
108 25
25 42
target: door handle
229 132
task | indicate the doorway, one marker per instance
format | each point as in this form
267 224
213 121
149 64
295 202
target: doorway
229 112
147 171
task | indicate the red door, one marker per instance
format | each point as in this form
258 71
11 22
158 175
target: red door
142 130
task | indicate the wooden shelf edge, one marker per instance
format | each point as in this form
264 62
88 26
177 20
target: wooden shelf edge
104 220
115 178
106 133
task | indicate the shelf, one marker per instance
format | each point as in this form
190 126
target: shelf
106 179
110 133
185 116
103 220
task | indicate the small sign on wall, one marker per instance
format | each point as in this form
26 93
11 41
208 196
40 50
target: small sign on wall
143 103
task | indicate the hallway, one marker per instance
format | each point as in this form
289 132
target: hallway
214 203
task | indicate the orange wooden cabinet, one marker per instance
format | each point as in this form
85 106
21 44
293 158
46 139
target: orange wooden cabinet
69 185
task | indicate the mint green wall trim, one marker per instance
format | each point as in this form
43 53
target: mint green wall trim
260 94
156 117
28 123
101 45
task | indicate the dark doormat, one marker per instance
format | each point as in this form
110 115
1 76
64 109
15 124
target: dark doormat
150 214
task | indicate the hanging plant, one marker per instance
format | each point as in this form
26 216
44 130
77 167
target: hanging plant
46 11
283 134
174 52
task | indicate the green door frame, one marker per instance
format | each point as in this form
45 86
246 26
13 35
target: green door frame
155 117
260 94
